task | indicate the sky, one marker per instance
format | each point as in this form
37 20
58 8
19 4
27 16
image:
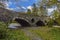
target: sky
50 10
22 5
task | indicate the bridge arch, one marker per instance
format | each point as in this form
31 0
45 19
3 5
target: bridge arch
23 22
40 23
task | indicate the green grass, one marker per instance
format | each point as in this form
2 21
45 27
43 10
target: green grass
17 35
11 34
47 33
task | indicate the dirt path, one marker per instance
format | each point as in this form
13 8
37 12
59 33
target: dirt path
31 35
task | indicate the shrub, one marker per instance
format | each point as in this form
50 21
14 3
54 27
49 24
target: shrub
3 31
50 23
3 34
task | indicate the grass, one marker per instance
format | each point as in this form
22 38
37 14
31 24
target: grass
47 33
10 34
17 35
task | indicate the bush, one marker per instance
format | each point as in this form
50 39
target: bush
58 20
3 30
3 34
50 23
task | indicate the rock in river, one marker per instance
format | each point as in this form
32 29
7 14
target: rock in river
14 25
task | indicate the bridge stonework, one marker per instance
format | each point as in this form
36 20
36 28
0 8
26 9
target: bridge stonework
33 20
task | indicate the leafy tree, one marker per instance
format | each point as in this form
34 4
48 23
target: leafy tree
53 2
55 14
41 9
50 23
28 11
48 4
34 9
56 17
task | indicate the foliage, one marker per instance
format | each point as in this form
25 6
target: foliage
58 20
51 2
55 14
56 17
3 32
34 9
50 23
28 11
11 34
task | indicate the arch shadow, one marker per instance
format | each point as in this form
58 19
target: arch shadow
40 23
32 20
22 22
55 22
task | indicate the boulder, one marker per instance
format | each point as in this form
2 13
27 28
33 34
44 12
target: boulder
14 25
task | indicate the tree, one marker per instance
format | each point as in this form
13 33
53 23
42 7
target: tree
28 11
56 17
53 2
41 9
34 9
55 14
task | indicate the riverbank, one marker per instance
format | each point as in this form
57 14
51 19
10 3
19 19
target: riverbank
45 33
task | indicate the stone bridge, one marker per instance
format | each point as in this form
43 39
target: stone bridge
30 20
22 18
